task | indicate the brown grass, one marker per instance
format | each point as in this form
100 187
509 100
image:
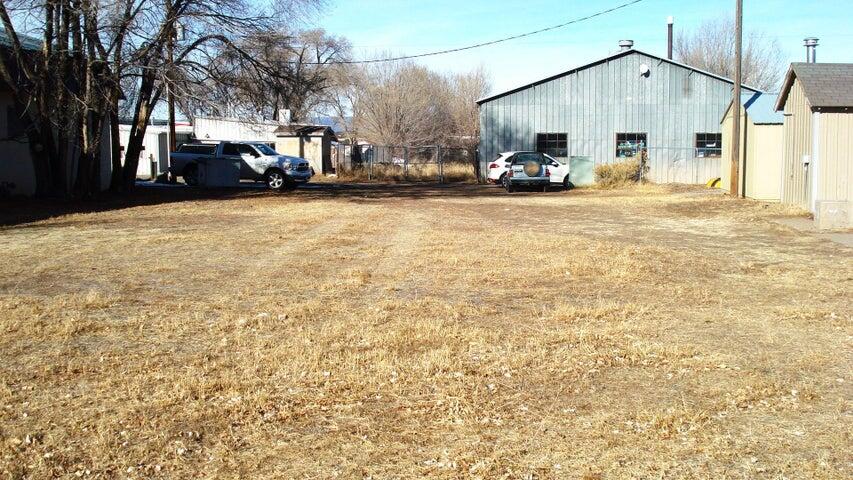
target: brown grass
617 175
658 332
426 172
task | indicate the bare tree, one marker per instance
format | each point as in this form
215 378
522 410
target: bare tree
400 104
711 47
465 90
285 72
94 53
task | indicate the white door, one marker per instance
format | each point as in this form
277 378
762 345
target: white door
559 168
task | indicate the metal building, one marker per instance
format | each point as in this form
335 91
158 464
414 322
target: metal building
611 109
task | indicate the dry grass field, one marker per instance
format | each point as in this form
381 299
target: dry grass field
407 332
416 172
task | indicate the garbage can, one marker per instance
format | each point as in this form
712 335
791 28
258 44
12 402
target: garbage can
219 172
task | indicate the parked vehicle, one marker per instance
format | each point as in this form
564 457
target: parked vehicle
499 167
258 162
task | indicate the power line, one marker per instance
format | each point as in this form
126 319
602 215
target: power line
484 44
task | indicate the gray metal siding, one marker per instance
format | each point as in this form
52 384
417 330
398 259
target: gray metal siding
592 105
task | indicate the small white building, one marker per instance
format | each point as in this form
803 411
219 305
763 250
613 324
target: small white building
154 158
221 128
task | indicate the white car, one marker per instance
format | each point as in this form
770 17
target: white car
499 166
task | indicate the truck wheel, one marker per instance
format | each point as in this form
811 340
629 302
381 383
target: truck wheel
276 179
567 184
190 175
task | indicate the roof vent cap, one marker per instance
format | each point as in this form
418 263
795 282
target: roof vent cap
625 45
811 45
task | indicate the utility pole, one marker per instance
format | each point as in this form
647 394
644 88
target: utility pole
170 95
734 183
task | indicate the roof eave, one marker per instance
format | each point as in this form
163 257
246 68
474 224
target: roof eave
607 59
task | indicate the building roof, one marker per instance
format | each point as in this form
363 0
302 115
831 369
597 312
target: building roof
301 129
604 60
27 42
826 85
761 108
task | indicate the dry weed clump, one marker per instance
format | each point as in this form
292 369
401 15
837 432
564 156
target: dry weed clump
427 172
619 174
411 336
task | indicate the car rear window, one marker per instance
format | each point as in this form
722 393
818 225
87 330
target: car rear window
202 149
528 157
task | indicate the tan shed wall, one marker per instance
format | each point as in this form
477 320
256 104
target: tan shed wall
287 146
835 167
797 131
764 162
761 151
834 195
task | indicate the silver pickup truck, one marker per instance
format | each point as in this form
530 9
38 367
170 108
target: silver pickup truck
257 162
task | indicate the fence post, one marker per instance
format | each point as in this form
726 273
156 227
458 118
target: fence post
406 163
370 165
440 165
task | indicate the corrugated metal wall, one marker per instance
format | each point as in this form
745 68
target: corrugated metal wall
836 157
592 105
209 128
796 181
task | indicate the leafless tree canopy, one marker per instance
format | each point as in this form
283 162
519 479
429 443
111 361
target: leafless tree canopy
402 103
711 47
271 70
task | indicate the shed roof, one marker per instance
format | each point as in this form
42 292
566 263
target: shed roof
604 60
301 129
761 108
826 85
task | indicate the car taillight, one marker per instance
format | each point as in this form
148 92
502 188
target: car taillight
547 172
493 165
509 173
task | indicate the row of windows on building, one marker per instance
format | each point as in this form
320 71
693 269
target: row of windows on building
628 144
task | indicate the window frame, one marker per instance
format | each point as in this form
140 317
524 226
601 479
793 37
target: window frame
554 144
716 151
635 147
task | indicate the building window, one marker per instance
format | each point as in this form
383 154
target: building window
709 144
553 144
628 144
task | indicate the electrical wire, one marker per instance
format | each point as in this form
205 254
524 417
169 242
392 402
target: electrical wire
478 45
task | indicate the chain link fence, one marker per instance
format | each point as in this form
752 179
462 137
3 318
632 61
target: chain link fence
430 163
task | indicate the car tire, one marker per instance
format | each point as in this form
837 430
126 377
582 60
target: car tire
190 175
501 181
275 179
567 185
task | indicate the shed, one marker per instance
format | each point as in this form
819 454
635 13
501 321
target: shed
311 142
613 108
760 146
817 166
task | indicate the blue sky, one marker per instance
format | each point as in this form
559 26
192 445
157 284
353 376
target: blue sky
411 27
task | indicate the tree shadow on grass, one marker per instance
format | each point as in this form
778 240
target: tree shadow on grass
22 211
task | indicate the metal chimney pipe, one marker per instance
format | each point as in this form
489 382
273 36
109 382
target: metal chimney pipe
811 45
625 45
669 22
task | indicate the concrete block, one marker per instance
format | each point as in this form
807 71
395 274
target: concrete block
833 214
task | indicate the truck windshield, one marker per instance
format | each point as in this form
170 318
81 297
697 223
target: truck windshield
264 149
